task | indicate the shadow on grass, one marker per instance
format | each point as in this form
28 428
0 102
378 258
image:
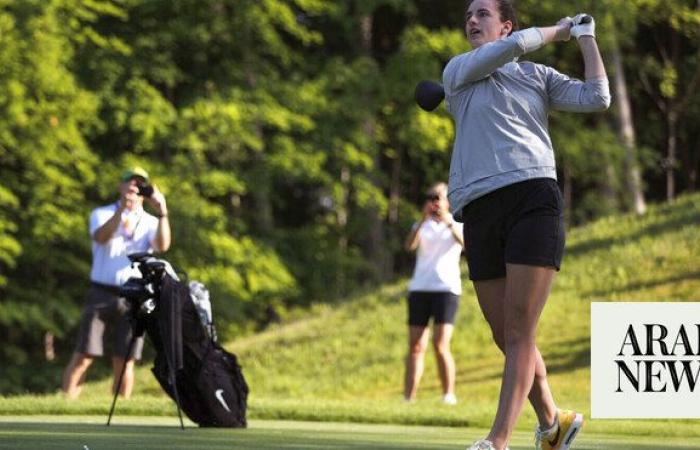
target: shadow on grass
566 356
688 217
644 285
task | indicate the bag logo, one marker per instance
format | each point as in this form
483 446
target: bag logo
218 394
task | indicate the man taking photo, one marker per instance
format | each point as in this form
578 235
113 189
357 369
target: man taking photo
116 230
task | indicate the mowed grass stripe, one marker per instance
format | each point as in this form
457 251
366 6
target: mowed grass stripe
48 433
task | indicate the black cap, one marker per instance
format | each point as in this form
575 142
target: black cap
429 94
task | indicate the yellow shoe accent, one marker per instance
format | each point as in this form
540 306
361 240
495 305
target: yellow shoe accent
570 423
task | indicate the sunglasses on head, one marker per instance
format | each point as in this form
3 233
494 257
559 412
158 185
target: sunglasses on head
432 197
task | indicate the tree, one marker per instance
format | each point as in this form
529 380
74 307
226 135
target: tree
626 126
46 169
671 77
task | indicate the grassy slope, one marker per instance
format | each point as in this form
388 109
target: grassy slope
345 362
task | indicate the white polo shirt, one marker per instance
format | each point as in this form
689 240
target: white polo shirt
437 259
110 264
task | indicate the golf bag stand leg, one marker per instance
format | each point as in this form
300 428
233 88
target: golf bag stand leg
118 387
173 380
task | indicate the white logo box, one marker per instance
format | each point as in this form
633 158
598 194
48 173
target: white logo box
614 392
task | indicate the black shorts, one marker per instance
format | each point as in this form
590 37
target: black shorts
422 305
522 223
105 325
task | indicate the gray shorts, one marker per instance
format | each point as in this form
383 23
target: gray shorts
105 324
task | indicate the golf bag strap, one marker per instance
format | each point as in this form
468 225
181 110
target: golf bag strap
172 295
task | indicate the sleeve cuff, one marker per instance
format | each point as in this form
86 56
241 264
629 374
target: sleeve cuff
529 39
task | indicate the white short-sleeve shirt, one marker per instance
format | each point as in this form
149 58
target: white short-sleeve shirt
136 232
437 259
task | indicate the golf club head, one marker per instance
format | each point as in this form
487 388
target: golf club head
429 95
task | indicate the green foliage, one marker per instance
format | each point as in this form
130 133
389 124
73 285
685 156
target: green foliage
10 248
46 166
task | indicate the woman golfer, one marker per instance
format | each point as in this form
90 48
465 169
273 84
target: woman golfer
503 187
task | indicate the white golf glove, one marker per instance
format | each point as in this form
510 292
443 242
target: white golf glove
579 29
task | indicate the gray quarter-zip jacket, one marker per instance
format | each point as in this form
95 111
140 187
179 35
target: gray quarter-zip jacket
500 108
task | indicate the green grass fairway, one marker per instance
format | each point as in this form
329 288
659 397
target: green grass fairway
70 432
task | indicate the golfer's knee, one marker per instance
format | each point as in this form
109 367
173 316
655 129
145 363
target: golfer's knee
417 349
540 373
517 332
442 347
519 324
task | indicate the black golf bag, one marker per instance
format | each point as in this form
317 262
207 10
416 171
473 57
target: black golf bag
205 380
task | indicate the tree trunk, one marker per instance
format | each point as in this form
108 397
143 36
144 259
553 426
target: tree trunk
394 201
626 131
694 161
342 217
376 244
670 162
607 188
260 193
49 349
567 194
395 188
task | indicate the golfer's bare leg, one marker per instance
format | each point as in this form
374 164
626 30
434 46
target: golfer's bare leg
445 361
527 289
417 344
491 296
74 374
127 381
